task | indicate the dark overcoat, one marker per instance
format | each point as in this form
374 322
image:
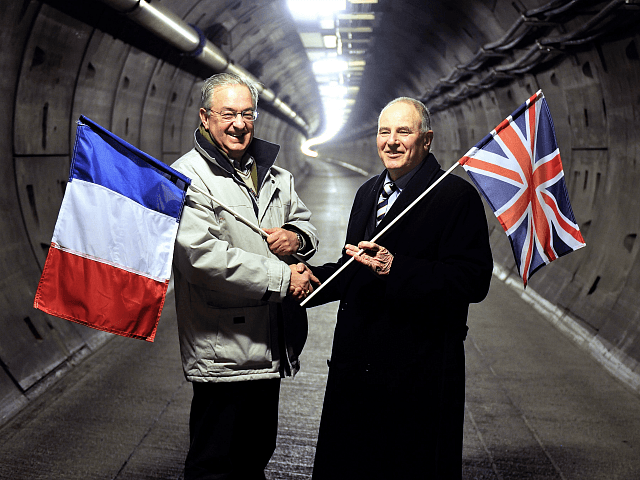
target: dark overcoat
394 402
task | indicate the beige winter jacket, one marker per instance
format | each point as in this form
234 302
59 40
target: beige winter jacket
229 286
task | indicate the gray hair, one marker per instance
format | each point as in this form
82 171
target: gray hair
421 108
223 80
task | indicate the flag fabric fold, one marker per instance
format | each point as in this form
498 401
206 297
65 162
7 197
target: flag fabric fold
518 170
109 262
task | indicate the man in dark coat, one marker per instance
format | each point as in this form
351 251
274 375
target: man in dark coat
394 402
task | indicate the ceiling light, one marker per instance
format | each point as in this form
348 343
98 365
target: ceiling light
329 65
311 40
327 24
330 41
333 90
356 16
308 10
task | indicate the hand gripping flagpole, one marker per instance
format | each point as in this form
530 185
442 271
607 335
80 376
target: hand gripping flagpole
382 232
244 220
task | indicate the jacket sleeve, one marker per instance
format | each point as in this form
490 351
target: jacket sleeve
205 259
299 219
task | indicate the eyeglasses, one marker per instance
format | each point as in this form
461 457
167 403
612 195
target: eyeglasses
230 116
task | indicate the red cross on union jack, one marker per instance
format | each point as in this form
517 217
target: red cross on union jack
518 170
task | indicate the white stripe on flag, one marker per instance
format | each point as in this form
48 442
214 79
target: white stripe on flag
99 222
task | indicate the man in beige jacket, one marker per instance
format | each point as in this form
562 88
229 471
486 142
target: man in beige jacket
239 323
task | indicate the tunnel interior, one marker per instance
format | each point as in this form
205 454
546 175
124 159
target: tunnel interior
471 62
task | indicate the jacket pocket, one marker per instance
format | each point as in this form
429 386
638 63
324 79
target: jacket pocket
244 336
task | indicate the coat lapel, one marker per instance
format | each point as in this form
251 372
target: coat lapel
363 220
361 215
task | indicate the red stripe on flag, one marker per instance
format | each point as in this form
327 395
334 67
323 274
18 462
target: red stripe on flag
532 127
493 168
529 254
570 229
100 296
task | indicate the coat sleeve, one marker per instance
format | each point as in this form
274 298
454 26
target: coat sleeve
299 218
205 259
332 291
460 271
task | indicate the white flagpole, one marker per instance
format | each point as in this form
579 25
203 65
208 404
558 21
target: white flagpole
244 220
382 232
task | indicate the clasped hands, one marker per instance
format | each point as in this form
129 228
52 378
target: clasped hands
285 242
376 257
303 281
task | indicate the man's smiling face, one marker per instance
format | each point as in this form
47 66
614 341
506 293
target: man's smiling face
233 137
401 144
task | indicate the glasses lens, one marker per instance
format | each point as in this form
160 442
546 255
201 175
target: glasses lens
249 115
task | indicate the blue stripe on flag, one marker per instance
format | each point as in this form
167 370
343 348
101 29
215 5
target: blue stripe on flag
494 147
496 192
546 141
104 159
521 122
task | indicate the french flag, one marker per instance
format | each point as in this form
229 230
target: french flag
110 258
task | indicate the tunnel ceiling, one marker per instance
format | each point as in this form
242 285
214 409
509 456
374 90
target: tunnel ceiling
258 36
442 52
446 52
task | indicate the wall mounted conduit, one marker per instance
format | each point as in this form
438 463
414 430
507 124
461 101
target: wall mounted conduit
165 24
529 34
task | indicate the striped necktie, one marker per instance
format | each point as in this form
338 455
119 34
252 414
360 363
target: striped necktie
383 202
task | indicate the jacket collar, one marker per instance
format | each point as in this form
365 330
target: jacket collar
264 154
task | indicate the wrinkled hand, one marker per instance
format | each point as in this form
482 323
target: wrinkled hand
281 241
374 256
302 282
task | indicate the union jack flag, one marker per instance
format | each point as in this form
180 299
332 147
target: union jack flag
517 168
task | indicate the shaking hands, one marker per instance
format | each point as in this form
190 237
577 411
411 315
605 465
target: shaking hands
303 281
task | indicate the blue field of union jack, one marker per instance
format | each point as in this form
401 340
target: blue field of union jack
518 170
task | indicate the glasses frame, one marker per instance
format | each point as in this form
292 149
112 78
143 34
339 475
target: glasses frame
254 115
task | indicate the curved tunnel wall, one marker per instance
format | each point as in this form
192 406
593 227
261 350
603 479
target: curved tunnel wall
56 67
592 294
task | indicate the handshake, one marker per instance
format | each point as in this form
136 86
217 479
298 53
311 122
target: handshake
373 256
303 281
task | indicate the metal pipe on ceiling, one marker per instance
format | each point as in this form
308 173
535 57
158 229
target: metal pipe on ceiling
171 28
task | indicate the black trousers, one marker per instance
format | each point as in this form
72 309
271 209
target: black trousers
394 421
232 428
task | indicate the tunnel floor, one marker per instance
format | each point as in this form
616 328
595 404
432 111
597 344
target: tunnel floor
538 406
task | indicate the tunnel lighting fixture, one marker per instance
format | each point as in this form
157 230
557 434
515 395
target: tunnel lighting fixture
329 65
327 24
312 10
356 29
330 41
336 112
356 16
333 90
311 39
325 137
315 54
